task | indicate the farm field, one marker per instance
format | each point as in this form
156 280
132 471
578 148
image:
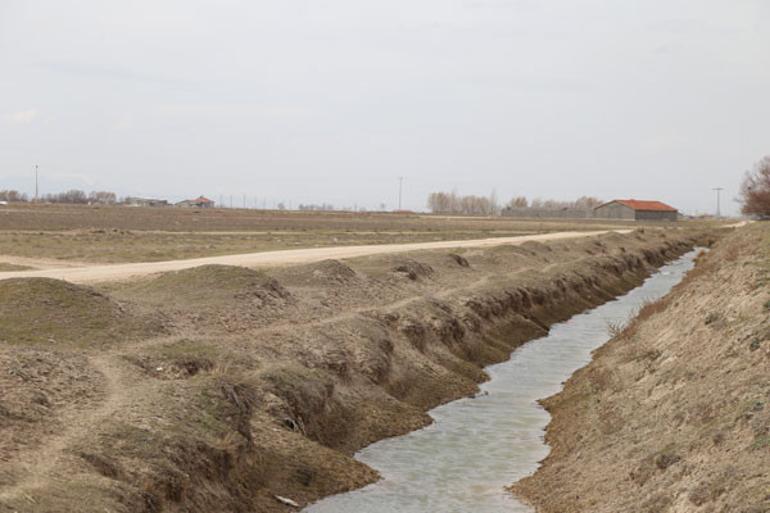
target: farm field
42 236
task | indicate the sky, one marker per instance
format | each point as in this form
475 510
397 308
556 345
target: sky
313 101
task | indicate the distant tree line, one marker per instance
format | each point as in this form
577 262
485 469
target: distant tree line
79 197
12 196
582 203
73 196
453 203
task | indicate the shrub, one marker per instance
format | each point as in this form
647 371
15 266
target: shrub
755 190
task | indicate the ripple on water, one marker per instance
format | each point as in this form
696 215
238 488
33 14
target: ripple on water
477 446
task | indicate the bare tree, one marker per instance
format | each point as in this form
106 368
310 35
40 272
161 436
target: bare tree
12 196
71 196
755 189
452 203
103 197
587 203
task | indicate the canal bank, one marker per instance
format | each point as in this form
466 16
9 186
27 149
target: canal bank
267 388
673 414
477 446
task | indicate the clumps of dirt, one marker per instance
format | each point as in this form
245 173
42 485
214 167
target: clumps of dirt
36 387
57 313
182 367
228 298
268 393
459 260
307 403
212 284
184 358
334 271
412 269
327 272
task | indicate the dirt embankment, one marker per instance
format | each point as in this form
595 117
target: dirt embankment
673 415
219 388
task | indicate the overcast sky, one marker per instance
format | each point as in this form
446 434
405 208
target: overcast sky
331 100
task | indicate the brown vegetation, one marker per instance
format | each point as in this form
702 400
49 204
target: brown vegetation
117 234
218 388
453 203
755 190
672 415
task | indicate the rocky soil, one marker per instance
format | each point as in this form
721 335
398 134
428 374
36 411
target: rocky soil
673 415
221 388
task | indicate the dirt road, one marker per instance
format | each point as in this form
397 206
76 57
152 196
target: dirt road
120 272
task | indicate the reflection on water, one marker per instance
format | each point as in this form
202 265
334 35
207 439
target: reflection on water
477 446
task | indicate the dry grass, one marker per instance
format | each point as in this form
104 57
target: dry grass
56 313
121 234
687 399
265 383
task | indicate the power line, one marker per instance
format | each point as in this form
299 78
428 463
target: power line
36 182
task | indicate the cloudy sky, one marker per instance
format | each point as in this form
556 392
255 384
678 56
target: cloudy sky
331 100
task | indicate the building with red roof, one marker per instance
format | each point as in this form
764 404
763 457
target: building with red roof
639 210
199 202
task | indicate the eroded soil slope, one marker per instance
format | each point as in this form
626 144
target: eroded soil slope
218 388
673 415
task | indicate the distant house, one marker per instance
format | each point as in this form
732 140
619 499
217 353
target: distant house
636 210
199 202
145 202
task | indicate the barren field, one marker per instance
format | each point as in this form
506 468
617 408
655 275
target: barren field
85 234
673 415
218 388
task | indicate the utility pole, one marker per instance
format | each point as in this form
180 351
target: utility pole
36 182
719 200
400 188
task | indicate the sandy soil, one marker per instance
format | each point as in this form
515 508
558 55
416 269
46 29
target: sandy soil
673 415
119 272
217 388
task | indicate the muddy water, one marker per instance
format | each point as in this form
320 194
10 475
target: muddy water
477 446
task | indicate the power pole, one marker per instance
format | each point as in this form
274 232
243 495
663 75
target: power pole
36 182
719 200
400 188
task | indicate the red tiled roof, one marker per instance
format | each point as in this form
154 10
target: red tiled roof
646 206
202 199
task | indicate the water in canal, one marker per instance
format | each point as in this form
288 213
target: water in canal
477 446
